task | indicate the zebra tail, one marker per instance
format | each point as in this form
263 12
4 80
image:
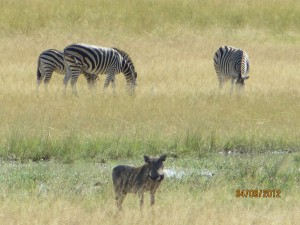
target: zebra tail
38 72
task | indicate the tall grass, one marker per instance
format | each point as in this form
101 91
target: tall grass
144 16
97 128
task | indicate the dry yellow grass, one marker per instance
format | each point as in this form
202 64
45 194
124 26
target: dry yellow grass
179 209
177 88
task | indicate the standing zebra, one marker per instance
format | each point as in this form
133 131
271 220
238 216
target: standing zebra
53 60
231 63
98 60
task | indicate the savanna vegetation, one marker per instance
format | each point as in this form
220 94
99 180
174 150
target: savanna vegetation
57 151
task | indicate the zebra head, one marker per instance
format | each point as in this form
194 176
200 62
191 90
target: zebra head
129 71
131 82
133 74
241 80
244 68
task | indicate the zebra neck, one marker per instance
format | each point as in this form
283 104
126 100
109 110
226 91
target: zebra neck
126 70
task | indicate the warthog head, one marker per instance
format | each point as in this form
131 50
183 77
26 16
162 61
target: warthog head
155 166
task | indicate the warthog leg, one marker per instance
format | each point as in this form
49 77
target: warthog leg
152 198
141 195
119 200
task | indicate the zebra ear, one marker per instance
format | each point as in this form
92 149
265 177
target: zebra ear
246 77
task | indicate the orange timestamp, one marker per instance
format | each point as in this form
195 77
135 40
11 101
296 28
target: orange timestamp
258 193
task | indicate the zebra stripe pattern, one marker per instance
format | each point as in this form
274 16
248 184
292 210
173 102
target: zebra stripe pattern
51 61
98 60
231 63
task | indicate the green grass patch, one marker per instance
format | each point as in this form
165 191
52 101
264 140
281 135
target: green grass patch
75 148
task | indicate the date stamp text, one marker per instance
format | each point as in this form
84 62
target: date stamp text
258 193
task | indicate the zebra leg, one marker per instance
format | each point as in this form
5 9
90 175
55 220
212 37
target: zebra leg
233 84
221 81
89 79
106 83
39 76
67 77
47 79
46 83
94 79
113 84
109 78
73 75
91 82
66 80
220 85
73 70
73 84
39 80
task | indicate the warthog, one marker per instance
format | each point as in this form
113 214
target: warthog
128 179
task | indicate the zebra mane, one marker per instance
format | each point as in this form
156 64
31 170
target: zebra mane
125 56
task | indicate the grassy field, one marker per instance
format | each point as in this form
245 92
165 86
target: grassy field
82 193
67 144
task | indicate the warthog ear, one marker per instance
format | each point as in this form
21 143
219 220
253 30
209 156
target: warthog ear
147 159
246 77
163 158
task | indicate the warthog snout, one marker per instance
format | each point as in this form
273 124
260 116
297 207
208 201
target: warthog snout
128 179
157 177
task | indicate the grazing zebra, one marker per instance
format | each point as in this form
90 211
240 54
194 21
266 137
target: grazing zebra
231 63
51 61
98 60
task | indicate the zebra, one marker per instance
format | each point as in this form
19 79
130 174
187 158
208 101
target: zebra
231 63
52 60
93 59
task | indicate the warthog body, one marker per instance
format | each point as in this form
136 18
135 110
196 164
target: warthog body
128 179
